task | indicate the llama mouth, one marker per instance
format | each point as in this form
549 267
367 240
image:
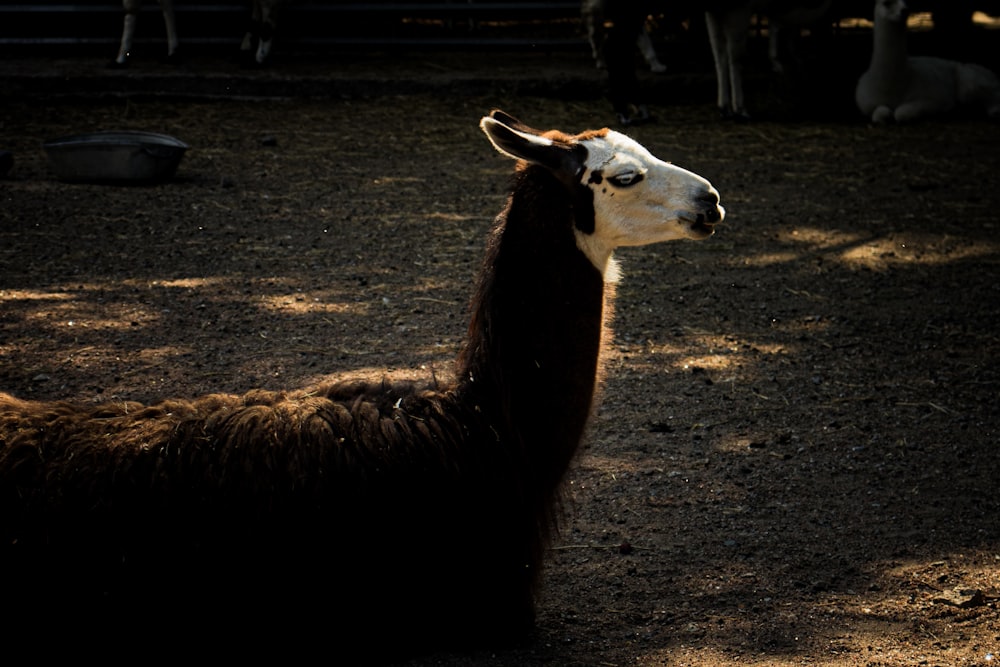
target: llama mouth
703 224
701 228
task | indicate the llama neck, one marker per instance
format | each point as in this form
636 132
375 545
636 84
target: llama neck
889 52
537 326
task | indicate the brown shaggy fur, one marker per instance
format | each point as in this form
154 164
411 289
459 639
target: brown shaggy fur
366 517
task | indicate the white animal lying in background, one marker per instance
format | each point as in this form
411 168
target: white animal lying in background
904 88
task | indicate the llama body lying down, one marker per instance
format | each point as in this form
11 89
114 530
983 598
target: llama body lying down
357 516
905 88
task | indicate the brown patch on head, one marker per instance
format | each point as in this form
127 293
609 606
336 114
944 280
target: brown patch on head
556 135
592 134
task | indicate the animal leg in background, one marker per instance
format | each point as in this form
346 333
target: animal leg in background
593 14
784 27
648 51
627 22
263 22
728 24
128 30
727 34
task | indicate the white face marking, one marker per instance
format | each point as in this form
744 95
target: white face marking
640 199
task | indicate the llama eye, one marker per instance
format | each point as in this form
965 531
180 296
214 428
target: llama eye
626 179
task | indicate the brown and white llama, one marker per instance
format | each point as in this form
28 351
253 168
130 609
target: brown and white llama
902 88
256 45
363 517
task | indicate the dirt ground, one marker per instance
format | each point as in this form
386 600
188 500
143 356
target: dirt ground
796 456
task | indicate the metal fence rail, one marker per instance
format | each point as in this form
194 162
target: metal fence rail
331 23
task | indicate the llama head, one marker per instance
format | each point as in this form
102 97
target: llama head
892 11
637 198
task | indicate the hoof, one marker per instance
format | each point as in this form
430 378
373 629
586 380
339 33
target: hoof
740 116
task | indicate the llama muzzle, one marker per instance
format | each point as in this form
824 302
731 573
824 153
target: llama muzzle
703 222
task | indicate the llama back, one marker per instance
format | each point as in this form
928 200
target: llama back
979 86
942 86
250 506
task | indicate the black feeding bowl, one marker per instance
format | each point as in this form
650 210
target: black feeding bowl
115 157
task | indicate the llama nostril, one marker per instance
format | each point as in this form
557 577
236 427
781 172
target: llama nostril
710 198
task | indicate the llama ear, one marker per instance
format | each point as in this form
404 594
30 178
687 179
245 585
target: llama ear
510 121
516 140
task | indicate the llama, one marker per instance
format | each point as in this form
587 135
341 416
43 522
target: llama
128 32
906 88
728 24
369 516
260 31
